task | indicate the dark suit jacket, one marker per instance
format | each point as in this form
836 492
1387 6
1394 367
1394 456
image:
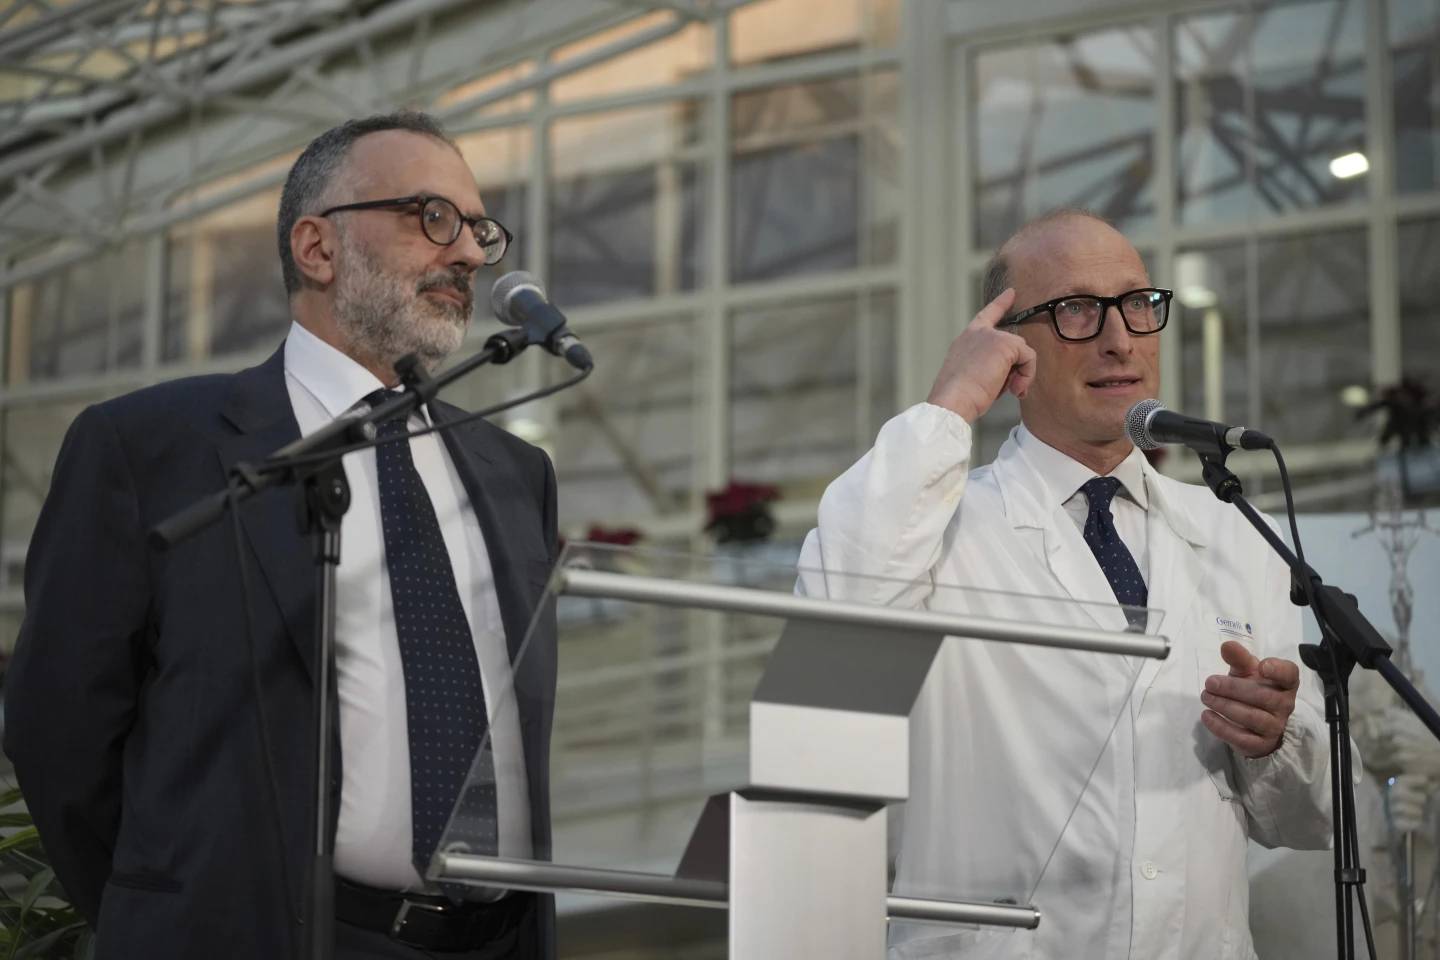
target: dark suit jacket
129 711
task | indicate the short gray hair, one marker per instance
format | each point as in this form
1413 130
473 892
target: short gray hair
997 270
308 185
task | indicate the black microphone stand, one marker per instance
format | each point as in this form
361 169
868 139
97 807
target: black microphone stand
314 463
1347 640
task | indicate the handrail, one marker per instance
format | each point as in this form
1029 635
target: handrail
709 596
684 891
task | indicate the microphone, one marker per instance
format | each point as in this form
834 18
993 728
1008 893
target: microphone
519 301
1150 424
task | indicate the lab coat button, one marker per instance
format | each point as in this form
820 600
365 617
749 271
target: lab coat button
1148 870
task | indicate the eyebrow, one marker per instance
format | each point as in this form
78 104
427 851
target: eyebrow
444 196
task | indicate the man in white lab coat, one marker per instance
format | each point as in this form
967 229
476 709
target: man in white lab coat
1115 794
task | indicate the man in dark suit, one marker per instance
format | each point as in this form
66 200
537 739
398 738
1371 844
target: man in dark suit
172 800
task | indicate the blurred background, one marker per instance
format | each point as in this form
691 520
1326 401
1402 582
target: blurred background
767 219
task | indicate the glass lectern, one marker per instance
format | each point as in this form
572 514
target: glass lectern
847 764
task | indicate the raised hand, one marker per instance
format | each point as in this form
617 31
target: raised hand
1248 708
984 362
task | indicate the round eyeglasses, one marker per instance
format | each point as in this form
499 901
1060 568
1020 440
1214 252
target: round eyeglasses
1081 316
441 221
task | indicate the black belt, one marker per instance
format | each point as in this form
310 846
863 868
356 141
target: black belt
426 921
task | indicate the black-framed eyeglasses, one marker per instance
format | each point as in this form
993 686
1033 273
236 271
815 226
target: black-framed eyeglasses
442 222
1081 316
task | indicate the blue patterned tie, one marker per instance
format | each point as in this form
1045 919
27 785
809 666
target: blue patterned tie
1115 558
444 699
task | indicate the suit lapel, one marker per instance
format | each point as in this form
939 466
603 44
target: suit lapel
259 410
471 453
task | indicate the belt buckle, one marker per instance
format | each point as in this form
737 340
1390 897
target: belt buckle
398 927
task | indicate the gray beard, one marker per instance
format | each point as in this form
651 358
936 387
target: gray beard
382 317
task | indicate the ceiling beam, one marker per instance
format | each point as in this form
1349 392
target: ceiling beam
30 38
268 66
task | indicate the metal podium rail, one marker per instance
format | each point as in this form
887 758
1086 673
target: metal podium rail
683 892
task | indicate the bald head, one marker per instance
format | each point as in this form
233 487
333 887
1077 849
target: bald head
1002 269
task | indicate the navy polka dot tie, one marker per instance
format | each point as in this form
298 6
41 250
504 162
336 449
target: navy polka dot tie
1115 558
444 699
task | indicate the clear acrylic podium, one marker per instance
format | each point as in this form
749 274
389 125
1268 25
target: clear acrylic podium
725 737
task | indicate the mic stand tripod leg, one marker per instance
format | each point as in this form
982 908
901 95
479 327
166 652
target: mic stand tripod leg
1333 667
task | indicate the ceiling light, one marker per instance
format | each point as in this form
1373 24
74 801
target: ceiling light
1349 165
1197 297
1354 395
1194 284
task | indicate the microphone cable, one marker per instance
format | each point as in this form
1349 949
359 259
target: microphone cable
312 459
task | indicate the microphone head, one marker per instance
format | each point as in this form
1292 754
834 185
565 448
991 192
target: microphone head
1137 422
506 287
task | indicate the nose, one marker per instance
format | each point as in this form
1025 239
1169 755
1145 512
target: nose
1115 338
465 253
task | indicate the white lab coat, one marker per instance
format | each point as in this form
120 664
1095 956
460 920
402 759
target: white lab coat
1004 736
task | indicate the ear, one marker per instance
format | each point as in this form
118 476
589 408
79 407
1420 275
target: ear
312 245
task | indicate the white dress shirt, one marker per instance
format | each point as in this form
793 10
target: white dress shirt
373 836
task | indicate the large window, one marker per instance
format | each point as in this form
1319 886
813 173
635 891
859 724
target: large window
626 196
80 321
1293 360
1314 336
810 385
1415 92
1064 122
225 292
625 444
1212 289
1267 98
813 177
1419 262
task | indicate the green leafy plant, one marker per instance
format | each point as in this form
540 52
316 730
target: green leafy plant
36 919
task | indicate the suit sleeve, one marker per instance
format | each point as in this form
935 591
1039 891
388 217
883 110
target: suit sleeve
1287 793
882 523
72 687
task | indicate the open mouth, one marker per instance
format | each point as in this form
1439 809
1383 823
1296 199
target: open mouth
1113 383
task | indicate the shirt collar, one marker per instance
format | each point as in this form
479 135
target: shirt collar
1062 476
332 377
